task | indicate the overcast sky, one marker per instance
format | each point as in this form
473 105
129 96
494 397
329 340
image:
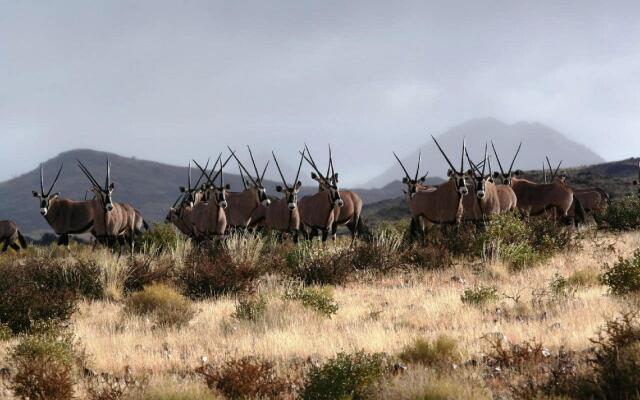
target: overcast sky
168 81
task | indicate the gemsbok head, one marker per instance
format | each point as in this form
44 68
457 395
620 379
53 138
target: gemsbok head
102 194
290 191
478 176
45 198
503 177
415 183
327 183
254 183
218 192
190 194
554 173
457 176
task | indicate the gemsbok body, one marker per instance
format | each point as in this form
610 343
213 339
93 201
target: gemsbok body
180 214
482 200
441 204
283 215
10 236
244 208
66 217
506 196
319 211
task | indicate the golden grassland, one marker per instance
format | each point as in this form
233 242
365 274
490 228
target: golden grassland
381 314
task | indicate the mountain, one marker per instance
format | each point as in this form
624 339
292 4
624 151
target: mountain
151 187
389 191
537 141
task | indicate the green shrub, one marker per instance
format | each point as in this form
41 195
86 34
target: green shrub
159 238
347 376
250 308
43 366
34 291
144 271
213 272
624 275
624 214
519 255
317 265
84 275
382 253
246 378
319 299
560 288
427 257
5 332
442 351
479 295
167 307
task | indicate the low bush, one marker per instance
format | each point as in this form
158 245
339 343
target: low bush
246 378
347 376
317 265
35 290
144 271
167 307
250 308
584 278
624 275
5 332
319 299
43 366
427 257
443 351
159 238
519 255
479 295
182 392
382 253
211 272
624 214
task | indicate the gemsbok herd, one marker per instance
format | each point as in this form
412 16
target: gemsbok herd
208 209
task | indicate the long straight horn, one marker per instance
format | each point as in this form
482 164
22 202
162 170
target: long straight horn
497 158
264 171
333 171
544 173
550 167
557 168
222 166
443 153
189 177
471 163
311 160
244 183
108 178
284 181
201 174
204 170
253 161
88 174
295 182
241 166
402 165
313 165
484 164
173 206
42 179
418 167
514 157
56 179
464 148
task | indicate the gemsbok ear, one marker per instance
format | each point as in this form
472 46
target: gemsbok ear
298 185
335 177
404 180
423 179
518 172
35 194
55 195
470 172
313 175
227 186
634 182
182 189
449 172
112 186
279 189
496 175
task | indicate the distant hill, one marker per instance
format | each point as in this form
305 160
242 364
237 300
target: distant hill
389 191
614 177
151 187
538 140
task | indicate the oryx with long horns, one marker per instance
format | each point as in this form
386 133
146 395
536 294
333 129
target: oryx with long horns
506 196
319 211
208 215
180 214
246 209
283 214
65 216
441 204
483 200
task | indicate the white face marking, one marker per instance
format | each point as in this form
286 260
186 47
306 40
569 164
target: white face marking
109 207
44 211
339 203
223 204
480 194
292 206
266 202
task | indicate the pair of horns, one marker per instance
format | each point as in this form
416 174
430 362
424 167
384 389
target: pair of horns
417 168
284 181
257 181
211 180
464 149
330 171
189 187
512 161
476 167
551 170
54 181
93 180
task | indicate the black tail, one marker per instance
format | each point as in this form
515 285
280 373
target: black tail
581 215
145 225
22 240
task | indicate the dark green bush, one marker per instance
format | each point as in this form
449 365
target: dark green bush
623 276
314 265
34 291
479 295
85 276
624 214
167 307
213 272
246 378
440 352
250 308
158 238
319 299
43 366
347 376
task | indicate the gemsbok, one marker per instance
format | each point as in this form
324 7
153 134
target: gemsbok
208 215
536 198
482 200
66 217
636 182
244 208
180 212
319 211
283 215
441 204
506 196
9 235
113 222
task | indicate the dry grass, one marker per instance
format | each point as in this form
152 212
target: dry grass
381 315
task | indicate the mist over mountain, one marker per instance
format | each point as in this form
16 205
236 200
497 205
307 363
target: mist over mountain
538 141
